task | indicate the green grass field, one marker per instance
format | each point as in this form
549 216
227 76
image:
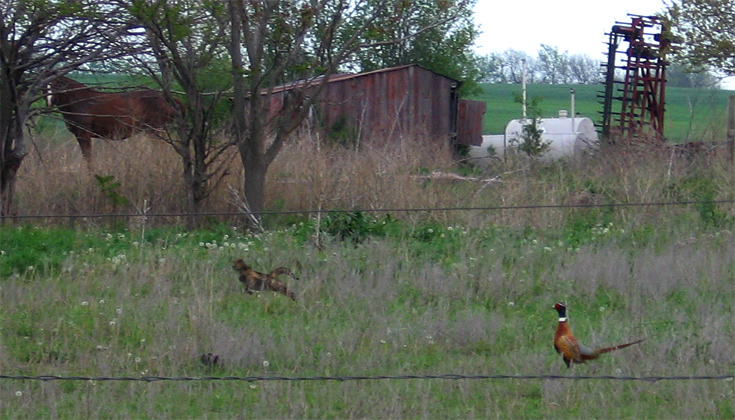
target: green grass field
419 300
691 114
416 293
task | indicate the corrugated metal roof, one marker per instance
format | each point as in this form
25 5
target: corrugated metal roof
347 76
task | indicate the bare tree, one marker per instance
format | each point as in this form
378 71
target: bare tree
40 40
186 40
553 65
491 68
584 69
514 62
267 38
271 39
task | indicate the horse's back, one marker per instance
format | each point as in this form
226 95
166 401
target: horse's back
153 109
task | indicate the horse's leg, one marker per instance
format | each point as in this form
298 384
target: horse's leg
85 143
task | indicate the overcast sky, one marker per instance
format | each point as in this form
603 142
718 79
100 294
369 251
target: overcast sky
573 26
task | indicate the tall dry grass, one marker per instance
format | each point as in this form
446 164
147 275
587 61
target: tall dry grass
312 175
54 178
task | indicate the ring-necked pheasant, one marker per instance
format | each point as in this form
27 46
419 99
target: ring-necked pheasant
567 345
254 280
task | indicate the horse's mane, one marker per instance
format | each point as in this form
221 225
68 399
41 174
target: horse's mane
68 81
70 84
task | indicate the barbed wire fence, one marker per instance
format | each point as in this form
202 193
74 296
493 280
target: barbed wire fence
367 210
454 377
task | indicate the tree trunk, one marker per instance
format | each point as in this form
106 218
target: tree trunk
254 181
12 146
188 182
8 176
246 118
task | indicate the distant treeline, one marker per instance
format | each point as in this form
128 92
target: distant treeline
551 66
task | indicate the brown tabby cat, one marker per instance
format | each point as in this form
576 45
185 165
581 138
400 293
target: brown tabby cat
254 280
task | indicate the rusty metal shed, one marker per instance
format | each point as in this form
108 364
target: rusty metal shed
399 102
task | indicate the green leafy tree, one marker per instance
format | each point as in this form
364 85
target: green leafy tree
531 140
436 34
704 32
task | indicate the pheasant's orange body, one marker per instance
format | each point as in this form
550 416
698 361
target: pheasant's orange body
567 345
254 280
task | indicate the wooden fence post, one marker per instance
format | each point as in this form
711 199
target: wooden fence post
731 129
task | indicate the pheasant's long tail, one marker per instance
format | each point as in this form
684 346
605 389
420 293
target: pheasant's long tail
618 347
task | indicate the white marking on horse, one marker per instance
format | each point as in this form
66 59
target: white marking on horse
49 95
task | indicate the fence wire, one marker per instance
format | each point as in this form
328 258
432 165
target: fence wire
371 210
149 379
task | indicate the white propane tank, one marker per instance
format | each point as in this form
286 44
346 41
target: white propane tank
568 136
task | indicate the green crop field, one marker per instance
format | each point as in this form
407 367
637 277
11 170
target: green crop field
691 114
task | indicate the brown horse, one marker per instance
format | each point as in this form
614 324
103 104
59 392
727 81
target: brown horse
92 113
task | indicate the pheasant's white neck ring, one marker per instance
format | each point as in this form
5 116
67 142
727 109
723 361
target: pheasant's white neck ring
563 319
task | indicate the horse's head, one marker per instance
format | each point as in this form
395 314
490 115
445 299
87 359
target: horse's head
59 87
52 90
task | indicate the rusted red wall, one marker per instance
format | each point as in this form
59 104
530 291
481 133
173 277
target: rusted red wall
469 124
399 102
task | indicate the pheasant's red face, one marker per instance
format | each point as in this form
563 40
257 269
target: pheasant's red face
559 305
